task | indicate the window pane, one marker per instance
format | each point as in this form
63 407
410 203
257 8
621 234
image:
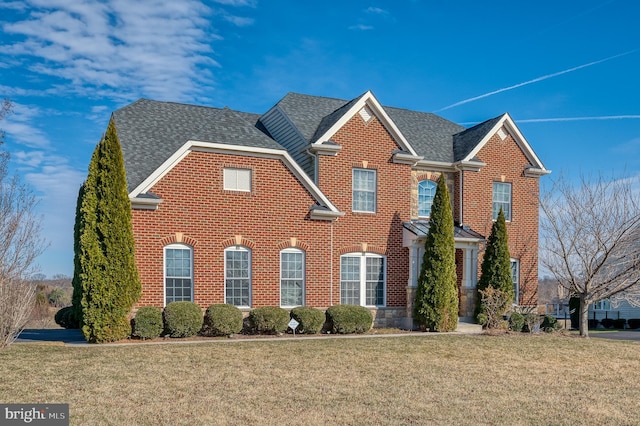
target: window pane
375 281
238 278
515 276
364 190
426 193
350 280
178 281
502 199
291 278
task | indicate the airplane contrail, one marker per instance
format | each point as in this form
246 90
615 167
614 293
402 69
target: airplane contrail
535 80
603 117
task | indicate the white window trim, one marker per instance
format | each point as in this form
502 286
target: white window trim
602 305
517 287
493 192
174 246
304 276
232 184
434 195
245 249
363 277
375 190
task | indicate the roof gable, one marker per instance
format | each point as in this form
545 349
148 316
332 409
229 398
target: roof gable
467 144
341 117
150 132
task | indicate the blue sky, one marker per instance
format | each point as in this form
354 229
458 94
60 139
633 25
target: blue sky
567 72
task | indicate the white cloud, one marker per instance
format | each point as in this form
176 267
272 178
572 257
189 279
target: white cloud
361 27
154 48
239 20
376 10
250 3
631 148
19 128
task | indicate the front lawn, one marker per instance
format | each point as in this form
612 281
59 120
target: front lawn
423 379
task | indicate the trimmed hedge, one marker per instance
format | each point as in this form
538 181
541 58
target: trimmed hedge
516 321
347 319
619 323
311 319
634 323
550 324
269 319
148 322
607 322
222 320
65 318
182 319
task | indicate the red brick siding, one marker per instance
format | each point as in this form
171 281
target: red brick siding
209 218
505 158
382 230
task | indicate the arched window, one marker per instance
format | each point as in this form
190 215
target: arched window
362 279
292 277
178 273
426 192
237 276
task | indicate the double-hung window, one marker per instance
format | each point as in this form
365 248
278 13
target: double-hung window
426 193
362 279
515 276
178 273
364 190
237 276
291 277
502 199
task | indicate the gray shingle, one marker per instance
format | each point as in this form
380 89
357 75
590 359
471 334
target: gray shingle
464 142
430 136
307 112
151 131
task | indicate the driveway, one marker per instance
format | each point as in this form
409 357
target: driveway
51 335
618 335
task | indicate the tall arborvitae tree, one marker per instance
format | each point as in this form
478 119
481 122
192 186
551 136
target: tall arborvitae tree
106 272
436 305
496 264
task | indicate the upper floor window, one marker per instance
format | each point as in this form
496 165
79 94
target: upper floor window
237 276
364 190
502 198
602 305
515 276
178 273
362 279
291 277
426 192
237 179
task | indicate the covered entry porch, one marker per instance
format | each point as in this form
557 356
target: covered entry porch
467 244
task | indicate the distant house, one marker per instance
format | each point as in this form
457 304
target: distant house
318 202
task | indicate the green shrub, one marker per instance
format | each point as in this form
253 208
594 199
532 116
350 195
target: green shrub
311 319
222 320
269 319
148 322
516 321
59 297
607 322
634 323
182 319
65 318
531 323
550 324
347 319
619 323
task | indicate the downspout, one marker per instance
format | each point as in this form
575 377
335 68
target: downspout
460 187
331 266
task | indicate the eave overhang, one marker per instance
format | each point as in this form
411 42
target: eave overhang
535 172
403 157
328 148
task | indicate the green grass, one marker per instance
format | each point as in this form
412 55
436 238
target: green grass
423 379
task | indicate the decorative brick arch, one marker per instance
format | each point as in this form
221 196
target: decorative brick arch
363 248
179 238
293 242
432 176
239 240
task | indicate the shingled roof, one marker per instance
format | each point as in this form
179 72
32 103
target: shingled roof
151 131
465 141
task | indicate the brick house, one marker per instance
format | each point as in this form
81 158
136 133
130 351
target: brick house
318 202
